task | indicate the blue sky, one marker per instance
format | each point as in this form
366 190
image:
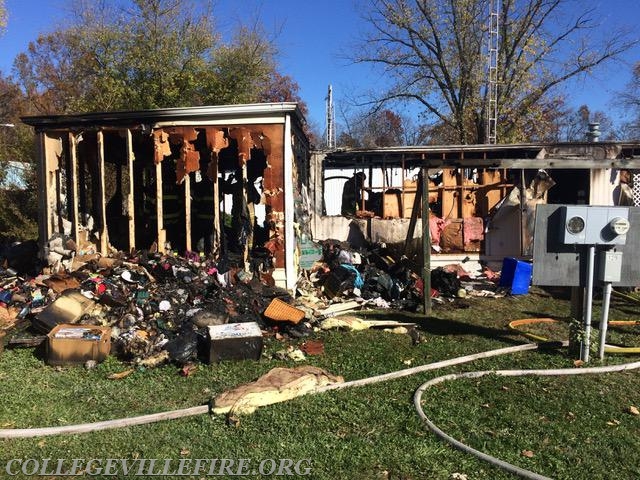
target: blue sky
313 33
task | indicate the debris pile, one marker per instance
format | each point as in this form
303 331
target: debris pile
163 307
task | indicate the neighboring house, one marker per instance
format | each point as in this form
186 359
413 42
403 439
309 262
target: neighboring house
15 175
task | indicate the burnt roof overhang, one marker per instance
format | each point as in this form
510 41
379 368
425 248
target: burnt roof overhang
579 155
196 115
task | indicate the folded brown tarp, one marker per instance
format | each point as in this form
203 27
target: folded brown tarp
277 385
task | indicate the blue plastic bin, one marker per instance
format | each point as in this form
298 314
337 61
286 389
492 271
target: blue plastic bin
516 275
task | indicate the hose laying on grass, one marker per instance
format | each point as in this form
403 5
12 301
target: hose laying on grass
515 324
198 410
625 296
106 425
417 401
202 409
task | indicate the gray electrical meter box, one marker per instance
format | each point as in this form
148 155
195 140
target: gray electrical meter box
610 268
594 225
560 241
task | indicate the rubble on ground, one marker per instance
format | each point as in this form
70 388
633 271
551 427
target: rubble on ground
159 306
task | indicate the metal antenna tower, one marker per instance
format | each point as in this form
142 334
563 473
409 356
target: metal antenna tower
492 63
330 126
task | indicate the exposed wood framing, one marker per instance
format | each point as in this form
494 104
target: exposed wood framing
73 176
384 189
450 194
187 211
104 237
243 138
190 161
52 146
491 197
162 234
130 194
213 173
216 141
274 193
251 213
269 127
43 195
290 240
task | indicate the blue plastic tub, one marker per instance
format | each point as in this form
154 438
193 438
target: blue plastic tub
516 275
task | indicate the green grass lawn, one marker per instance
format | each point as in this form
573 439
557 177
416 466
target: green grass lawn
573 427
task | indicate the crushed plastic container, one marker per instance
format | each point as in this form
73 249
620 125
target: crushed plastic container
516 275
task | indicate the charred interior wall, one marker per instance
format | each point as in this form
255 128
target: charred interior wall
472 210
216 190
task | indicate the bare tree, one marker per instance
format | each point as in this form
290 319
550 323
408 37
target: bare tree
433 53
370 129
630 100
3 17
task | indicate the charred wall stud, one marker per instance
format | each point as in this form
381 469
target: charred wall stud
104 238
131 216
73 155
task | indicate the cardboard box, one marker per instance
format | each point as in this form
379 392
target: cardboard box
75 344
235 341
66 309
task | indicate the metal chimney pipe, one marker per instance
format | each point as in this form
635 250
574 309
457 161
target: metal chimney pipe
593 135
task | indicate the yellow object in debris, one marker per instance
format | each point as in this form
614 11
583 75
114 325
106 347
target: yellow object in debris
344 322
397 330
277 385
348 322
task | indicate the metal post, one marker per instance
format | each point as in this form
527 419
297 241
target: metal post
604 320
426 243
523 195
584 352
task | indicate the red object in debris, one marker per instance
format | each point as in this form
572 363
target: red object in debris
188 370
490 274
458 270
434 293
101 288
312 347
419 287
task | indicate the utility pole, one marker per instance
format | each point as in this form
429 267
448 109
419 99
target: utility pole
330 139
492 67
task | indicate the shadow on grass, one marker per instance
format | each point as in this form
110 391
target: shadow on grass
445 327
529 314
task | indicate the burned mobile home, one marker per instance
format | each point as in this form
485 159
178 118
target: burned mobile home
220 180
239 182
473 192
